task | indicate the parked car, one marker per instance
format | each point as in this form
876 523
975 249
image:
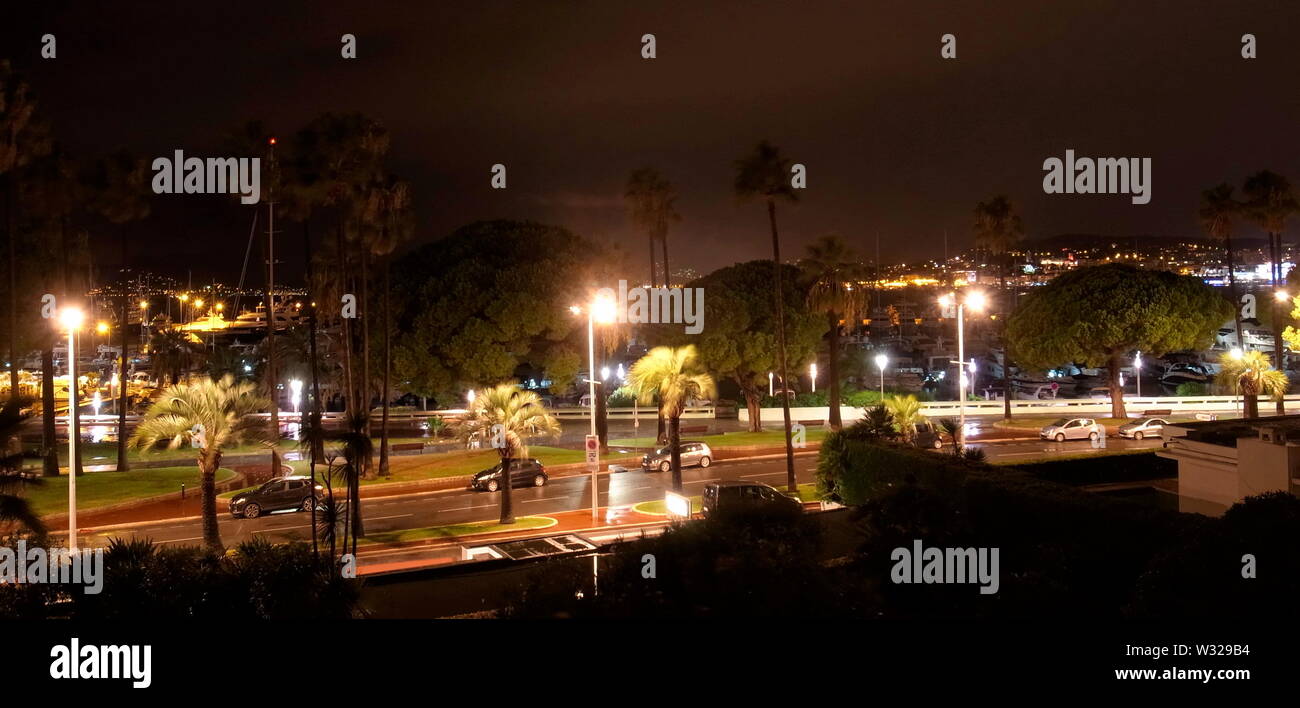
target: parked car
291 492
1073 429
1143 428
693 453
727 496
523 473
925 434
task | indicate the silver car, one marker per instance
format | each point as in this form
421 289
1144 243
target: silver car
1073 429
693 453
1143 428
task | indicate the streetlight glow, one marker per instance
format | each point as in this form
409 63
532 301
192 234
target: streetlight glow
71 317
976 300
882 360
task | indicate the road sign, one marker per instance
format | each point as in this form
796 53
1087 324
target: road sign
593 451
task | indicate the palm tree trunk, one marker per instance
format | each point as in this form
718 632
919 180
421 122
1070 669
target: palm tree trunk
388 365
1279 356
1249 405
654 271
663 242
316 439
675 449
366 398
792 483
209 462
349 392
51 463
1232 292
11 233
354 507
270 324
833 368
122 399
1006 348
1116 393
507 486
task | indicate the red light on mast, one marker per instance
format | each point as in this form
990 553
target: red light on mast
272 141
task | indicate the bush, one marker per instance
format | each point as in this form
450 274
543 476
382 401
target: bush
1191 388
1106 469
855 467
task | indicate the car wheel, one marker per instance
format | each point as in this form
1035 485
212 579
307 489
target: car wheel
1137 435
705 461
252 511
1060 437
665 466
938 444
308 504
1093 435
492 485
539 480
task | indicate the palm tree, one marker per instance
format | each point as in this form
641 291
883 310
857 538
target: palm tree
505 416
121 189
356 449
173 353
1250 375
650 200
1218 209
15 509
390 221
765 174
674 376
952 428
998 230
832 270
906 411
1269 203
213 416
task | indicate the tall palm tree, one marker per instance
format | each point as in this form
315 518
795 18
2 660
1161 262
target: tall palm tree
14 508
650 200
120 185
673 376
22 138
1217 211
998 231
1269 203
765 174
505 416
833 270
1251 375
390 222
356 448
213 416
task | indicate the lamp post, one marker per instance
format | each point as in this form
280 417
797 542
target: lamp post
71 319
975 301
1137 371
882 360
602 310
812 375
771 391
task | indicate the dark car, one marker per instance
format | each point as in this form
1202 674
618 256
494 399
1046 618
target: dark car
727 496
524 473
293 492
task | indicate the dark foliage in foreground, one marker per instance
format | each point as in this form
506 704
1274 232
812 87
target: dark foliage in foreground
145 581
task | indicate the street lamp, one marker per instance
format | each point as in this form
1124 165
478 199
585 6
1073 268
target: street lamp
976 301
812 374
71 318
295 395
770 390
600 310
882 360
1281 295
1137 371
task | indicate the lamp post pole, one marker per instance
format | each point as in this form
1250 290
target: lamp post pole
961 375
591 379
72 437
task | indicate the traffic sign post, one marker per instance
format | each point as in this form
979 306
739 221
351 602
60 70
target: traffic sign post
593 464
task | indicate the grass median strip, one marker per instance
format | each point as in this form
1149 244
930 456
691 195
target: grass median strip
95 489
523 523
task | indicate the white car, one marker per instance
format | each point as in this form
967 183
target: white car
1073 429
1143 428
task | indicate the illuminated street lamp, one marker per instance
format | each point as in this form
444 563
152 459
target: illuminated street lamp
71 318
812 374
295 395
1137 371
1281 295
882 360
600 310
770 390
976 301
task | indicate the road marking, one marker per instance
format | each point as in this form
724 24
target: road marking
381 518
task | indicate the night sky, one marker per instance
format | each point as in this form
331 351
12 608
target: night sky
897 141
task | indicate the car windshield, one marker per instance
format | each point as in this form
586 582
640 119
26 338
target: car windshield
1060 421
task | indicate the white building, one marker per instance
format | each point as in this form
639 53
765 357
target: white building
1222 462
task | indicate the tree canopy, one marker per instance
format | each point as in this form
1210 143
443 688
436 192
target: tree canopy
1097 314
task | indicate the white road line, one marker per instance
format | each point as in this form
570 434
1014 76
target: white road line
380 518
